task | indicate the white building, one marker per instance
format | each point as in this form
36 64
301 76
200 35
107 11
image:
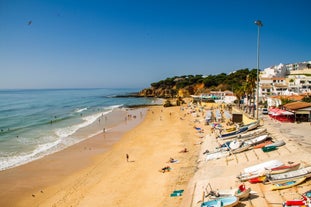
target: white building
286 79
274 71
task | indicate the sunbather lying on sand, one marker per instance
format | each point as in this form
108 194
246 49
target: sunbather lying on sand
166 169
172 160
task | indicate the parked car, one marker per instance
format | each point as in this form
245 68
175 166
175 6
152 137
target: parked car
265 111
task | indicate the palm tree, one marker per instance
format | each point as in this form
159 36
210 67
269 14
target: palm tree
239 93
249 88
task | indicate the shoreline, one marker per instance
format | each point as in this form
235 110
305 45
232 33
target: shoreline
78 176
50 168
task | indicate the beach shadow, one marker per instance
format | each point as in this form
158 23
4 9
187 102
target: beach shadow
246 200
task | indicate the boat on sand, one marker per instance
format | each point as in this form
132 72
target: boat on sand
241 192
288 184
284 168
276 170
258 170
269 148
288 176
221 202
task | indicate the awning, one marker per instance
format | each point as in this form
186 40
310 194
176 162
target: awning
278 112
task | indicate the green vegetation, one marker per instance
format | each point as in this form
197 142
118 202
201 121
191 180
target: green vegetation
307 99
229 81
242 82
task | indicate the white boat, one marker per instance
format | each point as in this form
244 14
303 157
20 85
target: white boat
216 155
242 148
241 192
252 133
276 144
258 170
256 140
235 144
278 178
252 126
263 166
221 202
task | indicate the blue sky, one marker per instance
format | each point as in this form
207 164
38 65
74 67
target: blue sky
132 43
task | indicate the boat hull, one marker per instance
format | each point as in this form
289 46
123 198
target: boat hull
288 184
222 202
288 176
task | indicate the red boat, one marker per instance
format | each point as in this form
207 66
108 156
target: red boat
303 202
259 179
295 203
261 145
284 168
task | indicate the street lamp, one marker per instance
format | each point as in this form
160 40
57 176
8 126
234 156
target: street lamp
259 24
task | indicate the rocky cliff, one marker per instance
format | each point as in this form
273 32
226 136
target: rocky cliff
167 92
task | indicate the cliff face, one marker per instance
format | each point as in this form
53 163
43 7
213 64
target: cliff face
173 92
158 92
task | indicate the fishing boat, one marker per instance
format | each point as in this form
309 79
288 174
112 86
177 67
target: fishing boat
259 179
297 203
233 134
277 144
241 192
252 125
263 144
284 168
304 201
235 144
263 166
242 148
257 139
258 170
230 145
221 202
231 129
287 176
288 184
276 170
250 134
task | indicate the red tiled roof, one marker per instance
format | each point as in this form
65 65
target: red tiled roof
297 105
291 97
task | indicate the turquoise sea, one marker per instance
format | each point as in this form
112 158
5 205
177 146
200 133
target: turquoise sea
35 123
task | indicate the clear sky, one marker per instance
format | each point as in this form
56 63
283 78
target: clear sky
132 43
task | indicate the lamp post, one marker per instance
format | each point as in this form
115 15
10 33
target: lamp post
259 24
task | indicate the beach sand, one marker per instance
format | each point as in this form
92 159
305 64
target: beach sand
96 172
93 173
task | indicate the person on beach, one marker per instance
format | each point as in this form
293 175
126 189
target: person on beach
127 157
184 150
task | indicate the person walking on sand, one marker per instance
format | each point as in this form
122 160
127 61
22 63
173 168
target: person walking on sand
127 157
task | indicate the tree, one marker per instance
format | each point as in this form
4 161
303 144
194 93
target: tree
250 86
239 93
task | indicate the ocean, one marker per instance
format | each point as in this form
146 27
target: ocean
35 123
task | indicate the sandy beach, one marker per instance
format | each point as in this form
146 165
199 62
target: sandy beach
93 173
96 172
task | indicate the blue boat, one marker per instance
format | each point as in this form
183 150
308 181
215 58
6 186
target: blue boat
221 202
234 133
